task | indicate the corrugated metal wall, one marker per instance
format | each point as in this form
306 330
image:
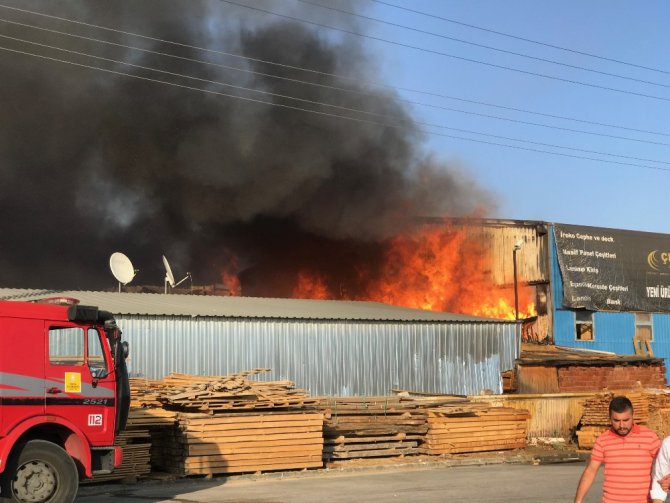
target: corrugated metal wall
500 241
551 415
661 339
328 357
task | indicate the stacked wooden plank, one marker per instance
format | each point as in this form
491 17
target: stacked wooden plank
233 392
652 408
659 414
595 419
587 435
596 409
509 381
475 428
136 444
144 393
241 442
232 424
367 427
147 418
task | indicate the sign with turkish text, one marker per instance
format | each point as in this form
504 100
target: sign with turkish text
613 270
72 382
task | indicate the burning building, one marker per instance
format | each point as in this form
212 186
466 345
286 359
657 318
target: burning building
603 290
260 153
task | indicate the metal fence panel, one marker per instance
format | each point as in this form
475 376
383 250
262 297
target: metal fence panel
328 357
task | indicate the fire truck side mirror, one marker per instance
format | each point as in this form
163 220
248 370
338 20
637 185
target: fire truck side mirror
126 349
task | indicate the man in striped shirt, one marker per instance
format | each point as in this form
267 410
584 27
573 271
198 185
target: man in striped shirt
628 451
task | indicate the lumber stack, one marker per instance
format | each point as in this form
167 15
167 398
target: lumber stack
587 435
659 414
596 419
652 408
144 392
596 409
232 424
509 381
373 427
240 442
225 393
147 418
475 428
136 444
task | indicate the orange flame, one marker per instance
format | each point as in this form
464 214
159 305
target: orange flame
435 268
229 277
310 286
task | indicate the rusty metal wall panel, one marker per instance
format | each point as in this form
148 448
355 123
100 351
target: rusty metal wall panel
500 241
328 358
553 415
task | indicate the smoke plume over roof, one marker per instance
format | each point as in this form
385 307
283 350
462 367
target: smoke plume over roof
94 161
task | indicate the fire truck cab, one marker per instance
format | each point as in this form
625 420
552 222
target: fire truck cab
64 396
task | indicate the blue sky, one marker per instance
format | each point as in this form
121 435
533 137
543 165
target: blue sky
531 185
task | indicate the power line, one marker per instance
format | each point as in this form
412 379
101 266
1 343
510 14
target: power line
317 72
445 54
523 39
208 81
483 46
348 90
253 100
319 103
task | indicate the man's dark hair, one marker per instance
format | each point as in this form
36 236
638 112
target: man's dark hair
620 404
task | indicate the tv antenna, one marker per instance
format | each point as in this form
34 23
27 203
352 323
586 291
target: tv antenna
169 277
122 268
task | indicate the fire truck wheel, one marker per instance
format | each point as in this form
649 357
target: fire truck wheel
43 473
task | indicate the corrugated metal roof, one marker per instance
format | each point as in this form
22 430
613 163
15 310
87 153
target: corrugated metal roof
153 304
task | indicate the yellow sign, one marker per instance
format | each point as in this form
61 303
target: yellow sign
72 382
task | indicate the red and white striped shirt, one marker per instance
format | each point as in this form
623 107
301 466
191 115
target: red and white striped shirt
628 462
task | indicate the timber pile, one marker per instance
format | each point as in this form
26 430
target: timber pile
240 442
225 393
652 408
509 381
475 428
365 427
659 414
231 424
136 444
587 436
596 409
385 426
147 418
144 392
596 419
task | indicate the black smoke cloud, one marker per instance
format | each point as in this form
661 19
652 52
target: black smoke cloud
93 162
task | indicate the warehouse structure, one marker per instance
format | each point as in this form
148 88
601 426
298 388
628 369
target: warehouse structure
325 347
594 288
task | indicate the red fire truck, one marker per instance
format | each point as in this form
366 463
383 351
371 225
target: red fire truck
64 396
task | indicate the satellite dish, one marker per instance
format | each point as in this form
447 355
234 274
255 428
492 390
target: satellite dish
169 277
122 268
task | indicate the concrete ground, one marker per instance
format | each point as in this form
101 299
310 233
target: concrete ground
413 483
